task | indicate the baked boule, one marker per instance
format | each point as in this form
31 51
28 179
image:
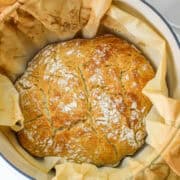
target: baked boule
82 100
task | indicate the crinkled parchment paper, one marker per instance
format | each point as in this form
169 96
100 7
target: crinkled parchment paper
10 112
27 26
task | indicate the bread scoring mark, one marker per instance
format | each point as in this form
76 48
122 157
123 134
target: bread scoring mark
85 89
89 105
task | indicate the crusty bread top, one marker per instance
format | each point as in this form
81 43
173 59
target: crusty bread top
82 100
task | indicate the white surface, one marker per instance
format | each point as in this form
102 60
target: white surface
170 9
8 172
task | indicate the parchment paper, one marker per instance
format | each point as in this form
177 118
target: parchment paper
10 112
26 27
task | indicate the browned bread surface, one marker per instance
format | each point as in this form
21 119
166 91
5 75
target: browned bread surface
82 100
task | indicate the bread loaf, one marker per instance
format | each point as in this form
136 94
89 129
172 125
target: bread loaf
82 100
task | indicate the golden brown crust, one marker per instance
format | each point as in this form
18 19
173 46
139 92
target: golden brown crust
82 100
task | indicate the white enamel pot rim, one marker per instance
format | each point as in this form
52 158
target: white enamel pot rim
159 22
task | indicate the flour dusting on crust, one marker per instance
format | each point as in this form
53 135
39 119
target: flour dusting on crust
82 101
